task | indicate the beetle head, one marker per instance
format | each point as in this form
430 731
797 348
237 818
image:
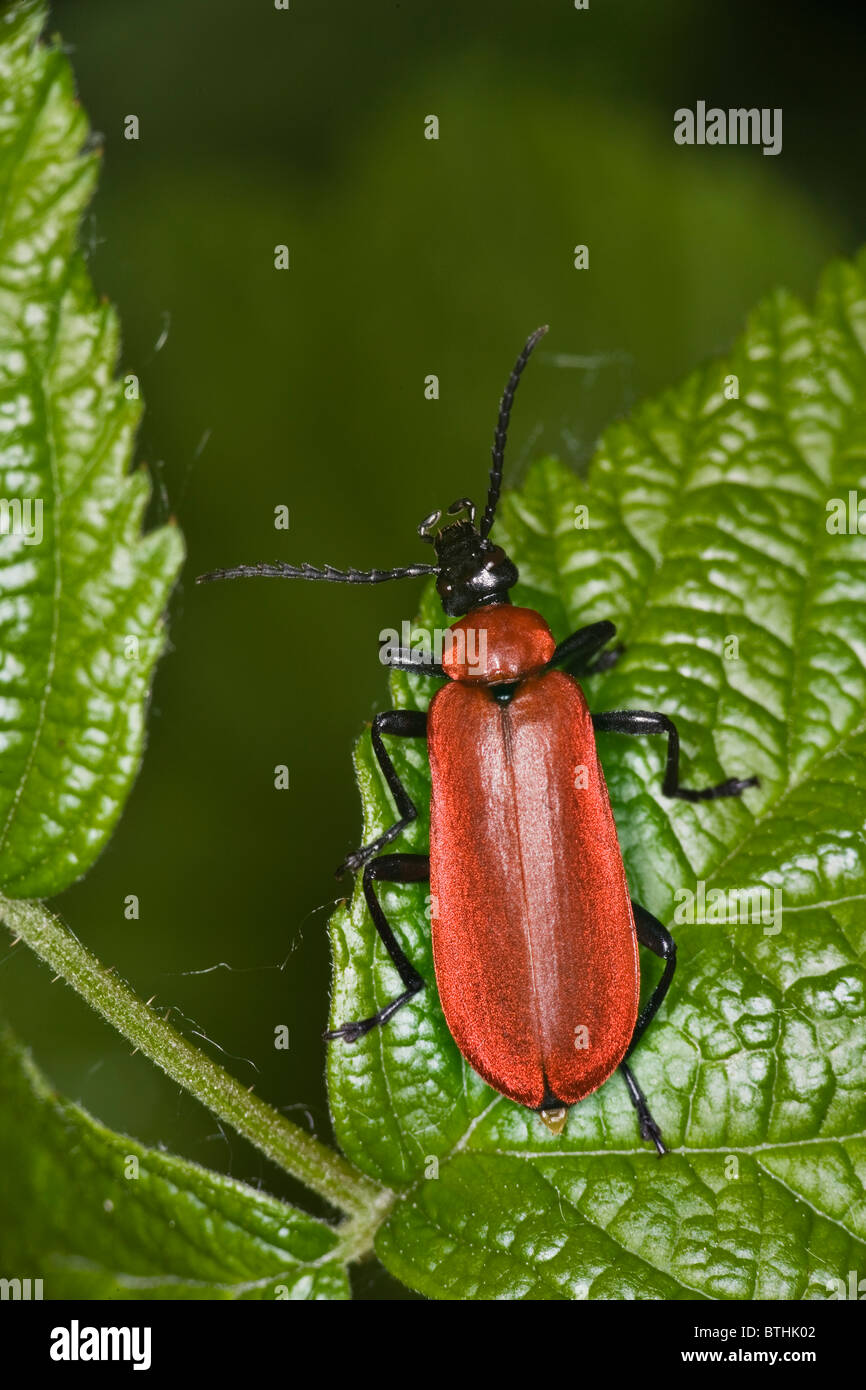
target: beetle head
472 571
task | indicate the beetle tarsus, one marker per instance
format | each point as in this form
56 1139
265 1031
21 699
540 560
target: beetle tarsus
580 653
605 662
350 1032
650 1130
734 786
354 1031
353 862
359 857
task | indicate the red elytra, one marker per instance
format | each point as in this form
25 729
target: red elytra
534 942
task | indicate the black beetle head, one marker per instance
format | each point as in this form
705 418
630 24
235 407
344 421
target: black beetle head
472 570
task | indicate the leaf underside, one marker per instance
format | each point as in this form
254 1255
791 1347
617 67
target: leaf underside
708 520
82 592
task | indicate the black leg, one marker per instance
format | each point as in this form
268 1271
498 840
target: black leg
578 650
391 868
648 1127
404 723
422 663
656 938
641 721
652 934
605 662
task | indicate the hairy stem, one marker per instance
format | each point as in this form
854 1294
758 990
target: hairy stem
318 1166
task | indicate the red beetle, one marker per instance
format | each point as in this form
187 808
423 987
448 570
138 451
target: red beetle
535 938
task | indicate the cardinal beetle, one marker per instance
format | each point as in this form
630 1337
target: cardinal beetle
535 938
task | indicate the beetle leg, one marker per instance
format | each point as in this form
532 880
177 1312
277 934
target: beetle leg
604 662
658 939
652 934
648 1127
578 650
405 723
640 721
422 663
392 868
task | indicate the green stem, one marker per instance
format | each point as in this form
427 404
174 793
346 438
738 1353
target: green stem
318 1166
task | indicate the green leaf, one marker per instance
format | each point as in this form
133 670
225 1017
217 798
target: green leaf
708 521
578 1227
81 590
82 593
96 1215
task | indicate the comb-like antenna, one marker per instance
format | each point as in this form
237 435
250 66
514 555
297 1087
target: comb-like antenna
328 573
498 450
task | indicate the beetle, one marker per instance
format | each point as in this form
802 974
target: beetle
535 937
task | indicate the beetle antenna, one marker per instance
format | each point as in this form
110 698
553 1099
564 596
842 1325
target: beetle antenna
327 573
498 450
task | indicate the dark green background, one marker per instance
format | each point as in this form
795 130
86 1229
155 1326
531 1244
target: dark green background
408 257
